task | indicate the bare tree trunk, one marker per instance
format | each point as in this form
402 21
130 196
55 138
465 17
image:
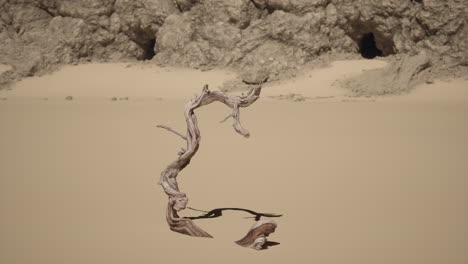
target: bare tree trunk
177 199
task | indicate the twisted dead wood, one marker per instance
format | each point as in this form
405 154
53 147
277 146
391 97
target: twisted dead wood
256 238
177 199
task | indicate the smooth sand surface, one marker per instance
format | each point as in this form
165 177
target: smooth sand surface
363 182
118 80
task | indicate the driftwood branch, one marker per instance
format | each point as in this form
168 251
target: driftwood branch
172 130
177 199
226 118
256 238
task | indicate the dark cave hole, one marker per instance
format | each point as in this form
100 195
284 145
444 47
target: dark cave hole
149 49
368 48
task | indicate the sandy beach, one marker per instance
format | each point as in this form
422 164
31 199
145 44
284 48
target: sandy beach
357 180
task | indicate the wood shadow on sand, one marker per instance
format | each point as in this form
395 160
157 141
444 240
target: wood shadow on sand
219 212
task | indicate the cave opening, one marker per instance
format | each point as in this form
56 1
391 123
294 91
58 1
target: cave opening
368 48
148 52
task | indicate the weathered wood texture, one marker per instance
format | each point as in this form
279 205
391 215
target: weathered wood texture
256 238
177 199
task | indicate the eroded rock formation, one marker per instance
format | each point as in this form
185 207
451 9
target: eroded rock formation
259 37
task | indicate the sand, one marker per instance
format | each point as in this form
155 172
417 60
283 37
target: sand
4 68
322 83
358 180
104 81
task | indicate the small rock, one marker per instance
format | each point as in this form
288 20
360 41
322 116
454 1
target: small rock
114 98
69 98
255 75
123 98
429 81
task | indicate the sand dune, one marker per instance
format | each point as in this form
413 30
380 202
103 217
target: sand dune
360 181
321 83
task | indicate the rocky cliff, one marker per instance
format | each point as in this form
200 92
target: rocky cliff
259 37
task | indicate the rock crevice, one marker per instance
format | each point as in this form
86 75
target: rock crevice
258 37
